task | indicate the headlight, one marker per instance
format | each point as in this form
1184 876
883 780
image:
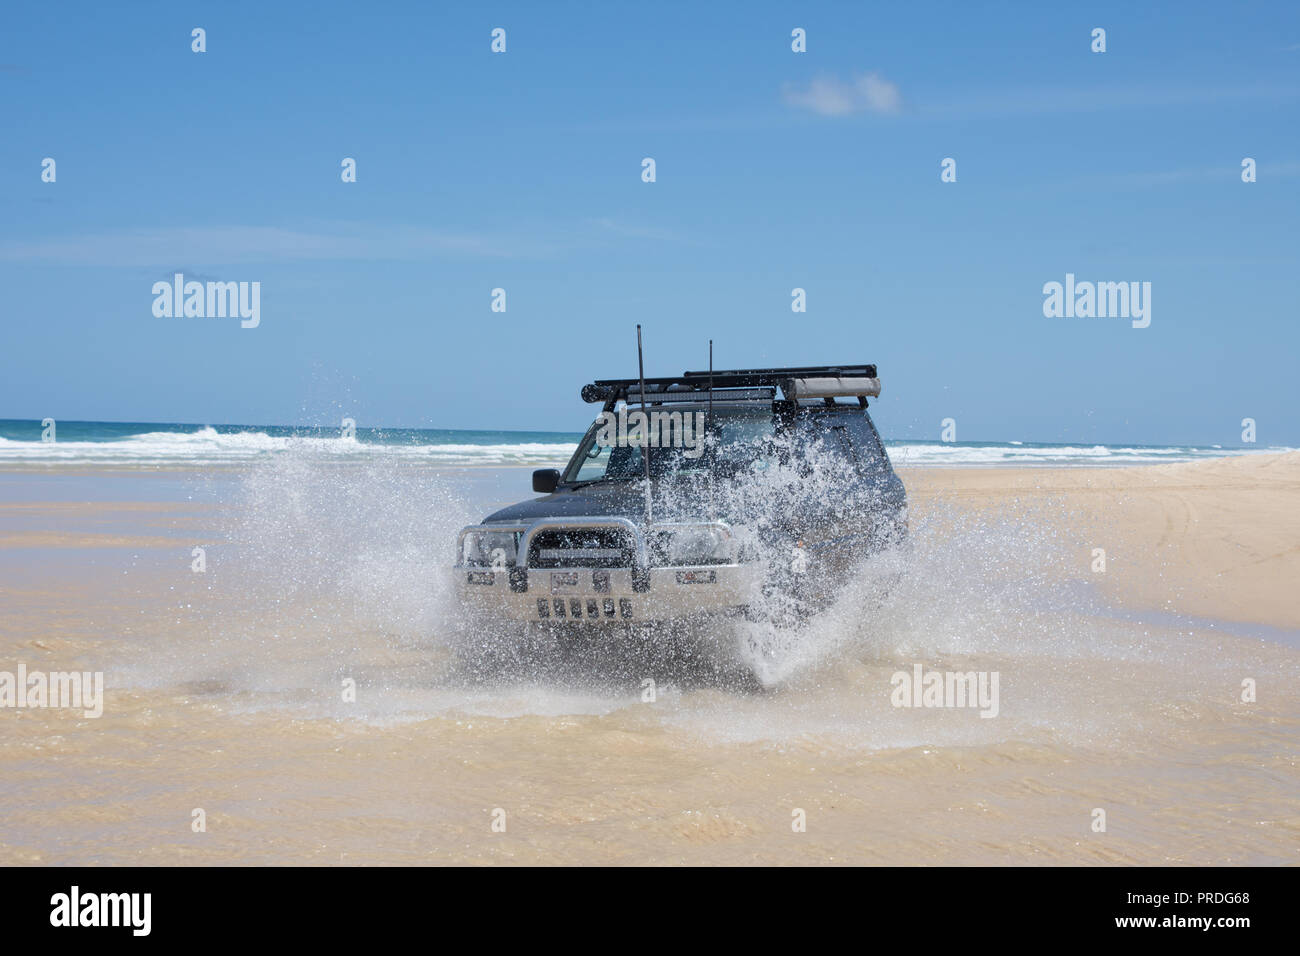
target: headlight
691 544
489 549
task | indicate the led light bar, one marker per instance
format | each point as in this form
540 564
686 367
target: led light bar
702 395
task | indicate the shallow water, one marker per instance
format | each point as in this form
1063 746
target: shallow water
225 692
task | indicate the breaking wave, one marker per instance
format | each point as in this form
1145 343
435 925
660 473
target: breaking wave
91 444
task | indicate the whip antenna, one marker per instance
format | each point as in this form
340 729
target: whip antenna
708 432
710 385
645 426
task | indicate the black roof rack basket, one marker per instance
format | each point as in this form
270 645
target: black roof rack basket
804 381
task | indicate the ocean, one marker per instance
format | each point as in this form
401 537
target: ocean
157 444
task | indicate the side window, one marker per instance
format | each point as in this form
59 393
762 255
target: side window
840 443
824 441
866 442
594 463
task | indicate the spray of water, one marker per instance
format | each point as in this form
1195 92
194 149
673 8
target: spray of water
339 560
321 571
961 584
330 571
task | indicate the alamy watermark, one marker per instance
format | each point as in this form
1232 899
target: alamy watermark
129 910
1102 300
208 300
39 689
952 689
658 429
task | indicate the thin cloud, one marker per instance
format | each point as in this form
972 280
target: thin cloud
222 245
1227 173
231 244
1024 101
830 96
628 231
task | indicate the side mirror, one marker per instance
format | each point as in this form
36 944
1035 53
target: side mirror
545 480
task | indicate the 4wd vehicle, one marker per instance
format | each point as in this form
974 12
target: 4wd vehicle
705 494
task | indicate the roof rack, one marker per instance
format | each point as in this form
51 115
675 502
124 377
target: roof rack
799 382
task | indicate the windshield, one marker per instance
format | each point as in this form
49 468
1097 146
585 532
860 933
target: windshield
611 450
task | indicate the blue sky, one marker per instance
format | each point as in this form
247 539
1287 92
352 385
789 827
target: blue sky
775 170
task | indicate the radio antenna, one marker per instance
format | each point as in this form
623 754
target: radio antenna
708 432
645 426
710 384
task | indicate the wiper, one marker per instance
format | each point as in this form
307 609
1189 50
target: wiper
596 481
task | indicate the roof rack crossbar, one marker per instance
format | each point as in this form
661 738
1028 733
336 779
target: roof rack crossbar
613 389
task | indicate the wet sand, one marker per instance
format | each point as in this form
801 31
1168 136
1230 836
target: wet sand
1120 689
1217 539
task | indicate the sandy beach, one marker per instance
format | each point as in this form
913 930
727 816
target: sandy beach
1217 539
1121 688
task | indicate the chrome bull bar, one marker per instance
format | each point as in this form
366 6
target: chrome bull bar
641 550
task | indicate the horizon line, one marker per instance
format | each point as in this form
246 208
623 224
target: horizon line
539 431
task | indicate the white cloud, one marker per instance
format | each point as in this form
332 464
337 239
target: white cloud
1045 100
829 96
226 244
627 231
203 246
1227 172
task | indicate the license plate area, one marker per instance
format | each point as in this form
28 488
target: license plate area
564 582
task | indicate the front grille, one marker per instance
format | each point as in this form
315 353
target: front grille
581 548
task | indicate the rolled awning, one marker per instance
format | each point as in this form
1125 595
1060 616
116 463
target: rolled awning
858 386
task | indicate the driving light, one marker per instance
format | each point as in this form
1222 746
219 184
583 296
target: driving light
692 544
486 548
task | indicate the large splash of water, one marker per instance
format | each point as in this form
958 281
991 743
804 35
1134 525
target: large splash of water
363 549
327 572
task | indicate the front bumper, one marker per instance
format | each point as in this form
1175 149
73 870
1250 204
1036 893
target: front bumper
549 579
613 596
